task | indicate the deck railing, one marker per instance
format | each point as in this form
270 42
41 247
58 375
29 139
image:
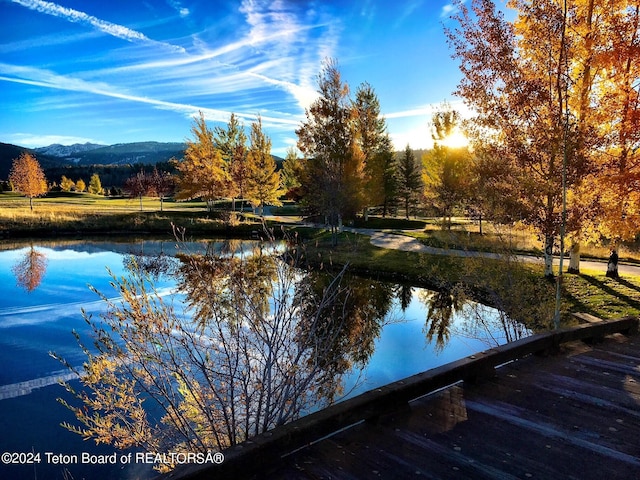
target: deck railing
258 452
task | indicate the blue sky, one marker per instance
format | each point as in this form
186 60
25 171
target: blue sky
124 71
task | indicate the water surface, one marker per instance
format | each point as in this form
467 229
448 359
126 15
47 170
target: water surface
37 316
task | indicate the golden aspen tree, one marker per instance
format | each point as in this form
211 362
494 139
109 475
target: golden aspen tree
263 181
203 173
614 187
95 185
66 184
523 80
27 177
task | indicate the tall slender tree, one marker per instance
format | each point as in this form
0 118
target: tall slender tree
370 131
333 175
586 37
95 185
390 186
232 142
263 181
409 180
291 173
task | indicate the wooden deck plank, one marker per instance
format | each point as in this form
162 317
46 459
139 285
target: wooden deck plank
489 460
588 427
574 416
514 457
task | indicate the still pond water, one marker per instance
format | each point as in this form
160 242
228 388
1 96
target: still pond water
40 308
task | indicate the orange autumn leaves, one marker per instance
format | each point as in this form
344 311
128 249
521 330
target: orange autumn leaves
27 177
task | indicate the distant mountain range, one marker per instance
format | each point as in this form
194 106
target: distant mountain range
118 154
57 150
83 155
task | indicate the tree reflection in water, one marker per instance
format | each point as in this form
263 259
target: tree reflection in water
258 343
30 269
491 325
404 293
442 306
349 324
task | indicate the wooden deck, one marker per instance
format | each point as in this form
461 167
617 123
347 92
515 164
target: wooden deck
573 414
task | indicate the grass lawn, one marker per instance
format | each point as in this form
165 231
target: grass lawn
516 241
69 213
86 202
604 297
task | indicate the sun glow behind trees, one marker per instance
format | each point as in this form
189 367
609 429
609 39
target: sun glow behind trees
456 139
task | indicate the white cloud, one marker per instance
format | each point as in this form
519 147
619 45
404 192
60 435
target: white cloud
47 79
47 41
414 112
304 95
265 17
429 109
270 68
206 54
177 6
305 38
287 54
76 16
